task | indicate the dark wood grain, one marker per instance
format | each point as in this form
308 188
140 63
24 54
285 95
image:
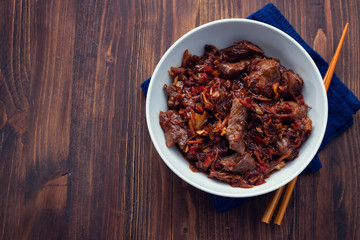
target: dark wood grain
76 159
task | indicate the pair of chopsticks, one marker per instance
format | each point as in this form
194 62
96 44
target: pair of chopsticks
290 187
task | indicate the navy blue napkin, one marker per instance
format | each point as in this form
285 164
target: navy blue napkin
342 102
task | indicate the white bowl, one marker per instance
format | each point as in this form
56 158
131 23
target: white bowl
275 43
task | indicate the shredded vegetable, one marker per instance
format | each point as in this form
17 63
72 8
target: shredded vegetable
235 113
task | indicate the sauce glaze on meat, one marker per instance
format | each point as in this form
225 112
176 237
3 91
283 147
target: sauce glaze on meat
235 114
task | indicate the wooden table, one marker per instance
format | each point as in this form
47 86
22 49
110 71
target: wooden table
76 159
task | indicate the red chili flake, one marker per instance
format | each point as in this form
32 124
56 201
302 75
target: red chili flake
196 90
263 167
177 70
270 151
193 91
227 84
297 123
189 82
208 160
199 108
257 139
203 76
206 69
193 148
246 102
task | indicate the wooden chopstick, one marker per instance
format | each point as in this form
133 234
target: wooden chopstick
290 187
272 205
331 69
285 201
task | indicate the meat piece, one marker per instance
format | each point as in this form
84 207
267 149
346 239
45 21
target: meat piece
211 54
201 161
201 166
283 145
293 84
192 61
220 147
232 70
211 49
239 163
177 71
290 108
170 122
286 149
239 51
188 102
175 99
253 66
227 178
298 110
236 124
205 159
265 79
172 95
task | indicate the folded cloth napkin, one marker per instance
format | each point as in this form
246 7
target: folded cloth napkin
342 102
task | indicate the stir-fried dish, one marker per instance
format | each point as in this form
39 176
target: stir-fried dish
235 113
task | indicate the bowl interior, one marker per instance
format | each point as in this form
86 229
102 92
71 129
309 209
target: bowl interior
275 43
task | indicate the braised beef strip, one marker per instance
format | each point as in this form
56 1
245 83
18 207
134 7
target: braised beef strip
235 113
